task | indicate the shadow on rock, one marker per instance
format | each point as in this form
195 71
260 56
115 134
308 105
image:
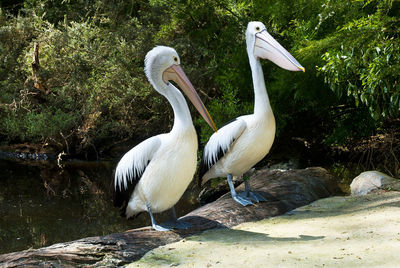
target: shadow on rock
241 236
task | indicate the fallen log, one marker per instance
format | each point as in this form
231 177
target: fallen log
284 191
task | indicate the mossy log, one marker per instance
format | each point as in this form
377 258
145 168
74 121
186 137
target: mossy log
284 190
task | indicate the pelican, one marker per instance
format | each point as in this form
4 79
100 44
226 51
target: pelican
239 145
153 175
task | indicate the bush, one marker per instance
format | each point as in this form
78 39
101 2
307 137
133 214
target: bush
95 78
91 62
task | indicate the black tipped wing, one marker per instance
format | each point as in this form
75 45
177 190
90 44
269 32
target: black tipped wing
130 170
205 165
122 195
219 144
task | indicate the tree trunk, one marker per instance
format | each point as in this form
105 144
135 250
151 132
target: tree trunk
37 81
284 190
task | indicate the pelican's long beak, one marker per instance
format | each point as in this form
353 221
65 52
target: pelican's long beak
176 74
267 47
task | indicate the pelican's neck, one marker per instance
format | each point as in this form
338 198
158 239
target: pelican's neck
261 100
182 118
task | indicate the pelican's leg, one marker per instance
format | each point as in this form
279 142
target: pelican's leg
153 221
174 223
248 193
244 201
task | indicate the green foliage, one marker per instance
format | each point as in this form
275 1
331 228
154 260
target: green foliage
223 111
95 78
33 126
366 66
91 61
349 124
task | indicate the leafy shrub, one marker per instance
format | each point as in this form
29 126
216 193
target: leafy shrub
91 61
94 76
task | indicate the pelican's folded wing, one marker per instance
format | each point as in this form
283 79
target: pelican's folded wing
219 143
130 169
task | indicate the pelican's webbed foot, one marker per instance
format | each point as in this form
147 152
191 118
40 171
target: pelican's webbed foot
173 223
243 200
160 227
254 196
157 227
176 224
248 193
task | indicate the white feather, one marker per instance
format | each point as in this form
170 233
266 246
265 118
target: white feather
254 140
168 174
253 133
166 162
152 66
223 140
134 162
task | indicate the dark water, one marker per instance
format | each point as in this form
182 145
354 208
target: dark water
42 204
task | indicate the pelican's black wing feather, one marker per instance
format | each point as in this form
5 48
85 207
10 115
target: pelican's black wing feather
130 170
219 144
122 195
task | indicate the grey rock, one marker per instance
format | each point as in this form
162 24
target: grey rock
373 180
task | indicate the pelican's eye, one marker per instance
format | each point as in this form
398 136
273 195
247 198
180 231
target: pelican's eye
175 59
257 28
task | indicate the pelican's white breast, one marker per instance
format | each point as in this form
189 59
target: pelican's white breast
168 174
252 146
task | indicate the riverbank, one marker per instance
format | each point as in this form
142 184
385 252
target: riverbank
284 191
341 231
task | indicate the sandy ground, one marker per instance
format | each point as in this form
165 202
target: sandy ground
332 232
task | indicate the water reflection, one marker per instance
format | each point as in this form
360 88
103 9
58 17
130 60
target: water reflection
42 204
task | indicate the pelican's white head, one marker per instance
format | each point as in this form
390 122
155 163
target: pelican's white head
161 65
157 61
260 44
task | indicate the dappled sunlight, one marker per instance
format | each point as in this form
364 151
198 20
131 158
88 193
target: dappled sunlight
367 235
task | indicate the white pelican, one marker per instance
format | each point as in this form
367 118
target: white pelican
239 145
153 175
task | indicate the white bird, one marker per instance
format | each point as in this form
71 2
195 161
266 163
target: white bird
239 145
153 175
